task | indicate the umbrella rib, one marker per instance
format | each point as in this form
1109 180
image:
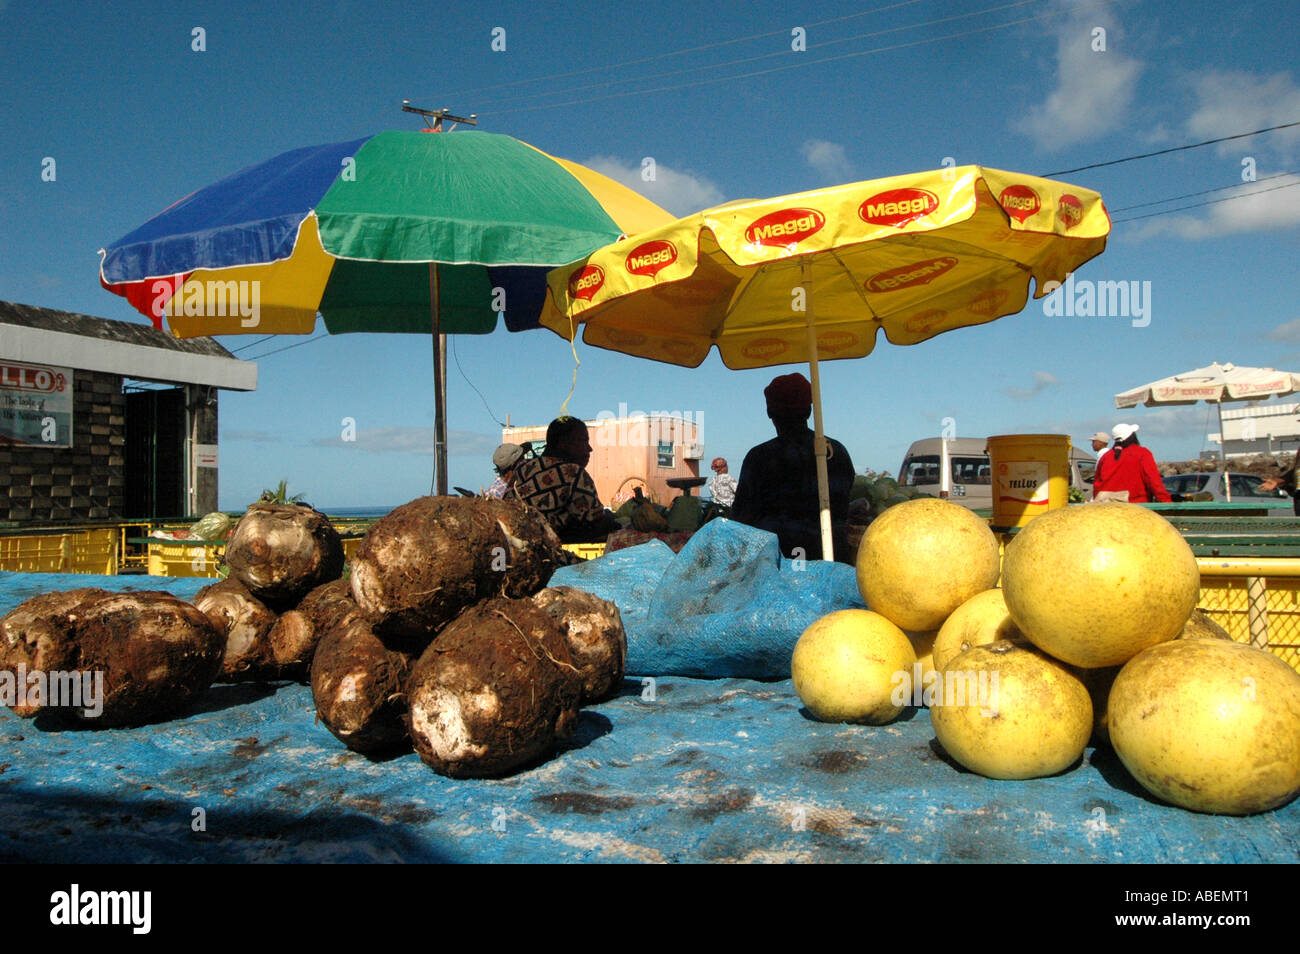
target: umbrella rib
720 329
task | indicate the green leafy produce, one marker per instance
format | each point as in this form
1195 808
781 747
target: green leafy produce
213 526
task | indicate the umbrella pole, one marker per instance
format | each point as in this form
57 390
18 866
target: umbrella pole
1223 454
819 435
439 386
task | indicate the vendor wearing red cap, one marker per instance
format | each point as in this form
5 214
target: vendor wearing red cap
722 486
778 480
1129 468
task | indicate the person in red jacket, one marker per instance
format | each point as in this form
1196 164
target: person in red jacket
1129 467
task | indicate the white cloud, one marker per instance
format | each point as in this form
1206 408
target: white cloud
1288 331
681 193
1274 204
1042 381
1230 102
1094 88
828 159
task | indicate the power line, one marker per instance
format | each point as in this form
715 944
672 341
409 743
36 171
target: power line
801 63
681 52
456 356
251 345
1190 195
1163 152
1197 205
768 56
297 344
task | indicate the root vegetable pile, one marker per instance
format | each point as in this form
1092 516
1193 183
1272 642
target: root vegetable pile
443 637
356 683
428 560
496 690
280 552
246 623
110 659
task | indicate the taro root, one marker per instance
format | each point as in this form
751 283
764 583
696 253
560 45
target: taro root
531 550
356 683
246 623
38 635
282 551
422 564
493 692
124 658
594 629
293 640
295 635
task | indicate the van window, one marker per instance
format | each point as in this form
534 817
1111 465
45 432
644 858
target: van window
1186 483
971 470
920 471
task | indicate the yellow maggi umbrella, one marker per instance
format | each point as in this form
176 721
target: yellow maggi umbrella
916 255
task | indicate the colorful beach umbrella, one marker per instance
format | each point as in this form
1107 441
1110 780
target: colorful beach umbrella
417 232
818 275
1215 383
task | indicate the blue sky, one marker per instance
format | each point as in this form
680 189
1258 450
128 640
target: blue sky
135 118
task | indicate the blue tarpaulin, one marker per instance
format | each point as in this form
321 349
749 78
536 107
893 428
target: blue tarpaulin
728 605
672 769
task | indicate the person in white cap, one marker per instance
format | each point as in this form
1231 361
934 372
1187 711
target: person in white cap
505 459
1129 468
1100 441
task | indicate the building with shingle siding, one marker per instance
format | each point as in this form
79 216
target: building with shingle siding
107 420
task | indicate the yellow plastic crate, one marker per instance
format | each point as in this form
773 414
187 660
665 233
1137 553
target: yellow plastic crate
588 551
75 551
1257 601
194 558
185 558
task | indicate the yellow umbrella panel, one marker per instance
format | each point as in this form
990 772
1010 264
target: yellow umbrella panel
815 276
916 255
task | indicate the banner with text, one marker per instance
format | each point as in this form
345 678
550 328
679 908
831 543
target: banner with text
35 405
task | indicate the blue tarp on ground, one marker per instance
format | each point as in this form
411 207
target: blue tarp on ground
727 605
677 769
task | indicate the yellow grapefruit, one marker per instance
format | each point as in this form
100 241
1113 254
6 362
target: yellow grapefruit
1096 584
920 560
1008 711
1209 724
853 666
981 620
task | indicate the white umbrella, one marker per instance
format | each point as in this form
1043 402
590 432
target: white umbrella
1215 384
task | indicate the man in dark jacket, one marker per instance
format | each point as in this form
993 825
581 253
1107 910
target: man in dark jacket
778 480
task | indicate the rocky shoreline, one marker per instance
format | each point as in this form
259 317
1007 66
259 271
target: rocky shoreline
1265 465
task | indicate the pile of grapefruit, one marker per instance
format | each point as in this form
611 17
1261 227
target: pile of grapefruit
1093 635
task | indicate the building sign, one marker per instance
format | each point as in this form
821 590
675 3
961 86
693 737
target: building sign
35 405
205 455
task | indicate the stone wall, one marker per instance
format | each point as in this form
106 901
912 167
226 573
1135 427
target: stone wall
71 484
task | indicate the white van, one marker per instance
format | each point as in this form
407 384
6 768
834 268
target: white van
959 469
